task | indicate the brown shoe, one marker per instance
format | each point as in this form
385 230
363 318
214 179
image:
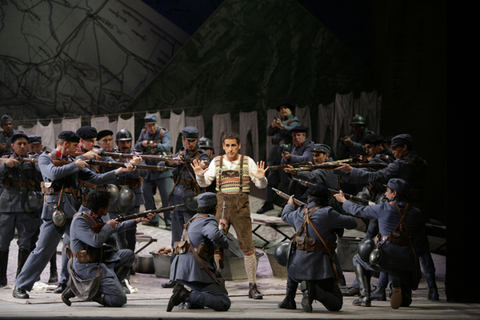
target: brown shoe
253 291
396 298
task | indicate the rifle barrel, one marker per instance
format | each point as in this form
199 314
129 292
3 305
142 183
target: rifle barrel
286 196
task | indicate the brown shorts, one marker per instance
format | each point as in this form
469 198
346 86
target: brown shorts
237 214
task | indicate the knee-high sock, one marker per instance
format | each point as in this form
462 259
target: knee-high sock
251 268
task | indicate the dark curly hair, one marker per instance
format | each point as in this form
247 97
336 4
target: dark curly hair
98 198
231 135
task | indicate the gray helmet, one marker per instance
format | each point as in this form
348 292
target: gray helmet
113 189
204 142
126 199
34 200
358 119
123 135
191 202
282 252
365 247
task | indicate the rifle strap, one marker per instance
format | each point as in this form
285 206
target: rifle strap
194 250
329 252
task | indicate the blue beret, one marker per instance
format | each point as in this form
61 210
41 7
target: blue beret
319 191
151 118
206 199
19 136
69 136
399 185
34 139
104 133
322 148
401 140
298 129
87 132
190 133
4 119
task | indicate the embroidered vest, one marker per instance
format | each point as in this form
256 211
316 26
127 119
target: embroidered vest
232 181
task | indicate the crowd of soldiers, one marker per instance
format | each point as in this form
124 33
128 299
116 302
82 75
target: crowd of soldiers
89 193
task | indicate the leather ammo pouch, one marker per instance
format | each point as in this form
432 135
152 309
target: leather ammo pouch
400 235
305 243
88 255
47 187
205 251
180 247
7 182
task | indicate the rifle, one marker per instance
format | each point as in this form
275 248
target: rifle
333 191
295 165
94 162
328 166
98 227
144 156
286 196
220 249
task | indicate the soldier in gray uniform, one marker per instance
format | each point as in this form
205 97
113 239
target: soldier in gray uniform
35 147
155 140
315 260
60 188
397 257
282 141
321 154
132 181
207 145
86 246
198 271
185 183
6 123
354 145
413 169
15 212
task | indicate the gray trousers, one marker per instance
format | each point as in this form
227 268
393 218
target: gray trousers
210 295
164 186
48 240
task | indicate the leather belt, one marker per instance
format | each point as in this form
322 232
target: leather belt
70 190
19 184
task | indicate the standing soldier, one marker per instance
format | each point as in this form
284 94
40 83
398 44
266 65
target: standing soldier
185 183
155 140
130 196
282 140
354 144
233 173
15 212
60 204
6 123
207 145
35 147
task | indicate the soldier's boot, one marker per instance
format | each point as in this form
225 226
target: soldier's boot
364 284
309 292
3 268
53 269
122 272
22 257
67 295
289 301
378 294
433 293
396 298
180 294
20 293
100 298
